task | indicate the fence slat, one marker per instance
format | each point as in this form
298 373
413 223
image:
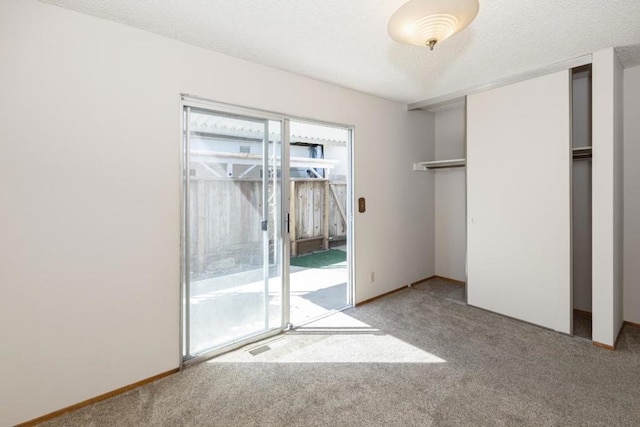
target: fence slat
325 215
225 215
293 223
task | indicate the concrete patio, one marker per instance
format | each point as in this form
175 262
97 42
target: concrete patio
231 307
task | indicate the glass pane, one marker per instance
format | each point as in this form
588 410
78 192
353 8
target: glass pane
234 283
319 168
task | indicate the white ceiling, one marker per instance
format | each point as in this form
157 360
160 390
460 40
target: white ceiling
345 42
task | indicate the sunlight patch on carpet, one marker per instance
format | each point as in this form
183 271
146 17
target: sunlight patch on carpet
336 339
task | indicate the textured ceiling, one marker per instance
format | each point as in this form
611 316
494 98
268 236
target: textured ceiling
629 55
346 42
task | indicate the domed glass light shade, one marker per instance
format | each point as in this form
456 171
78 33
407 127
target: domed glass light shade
428 22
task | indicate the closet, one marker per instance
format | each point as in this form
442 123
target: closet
450 195
450 192
542 163
581 201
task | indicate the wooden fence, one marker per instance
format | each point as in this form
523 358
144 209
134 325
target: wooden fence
317 209
225 215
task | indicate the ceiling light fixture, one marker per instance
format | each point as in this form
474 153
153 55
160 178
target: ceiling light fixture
428 22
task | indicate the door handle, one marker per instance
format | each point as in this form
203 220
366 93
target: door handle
287 223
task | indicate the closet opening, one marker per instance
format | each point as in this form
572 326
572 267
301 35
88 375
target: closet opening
581 201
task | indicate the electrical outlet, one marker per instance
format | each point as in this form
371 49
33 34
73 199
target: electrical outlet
372 277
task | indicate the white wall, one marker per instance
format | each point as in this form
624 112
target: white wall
450 205
90 224
632 195
581 197
607 195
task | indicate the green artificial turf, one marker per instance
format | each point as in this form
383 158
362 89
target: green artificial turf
320 259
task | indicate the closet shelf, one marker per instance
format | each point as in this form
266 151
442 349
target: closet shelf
582 153
439 164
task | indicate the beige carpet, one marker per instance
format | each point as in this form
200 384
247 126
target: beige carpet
418 357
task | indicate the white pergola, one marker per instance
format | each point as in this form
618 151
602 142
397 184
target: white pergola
206 158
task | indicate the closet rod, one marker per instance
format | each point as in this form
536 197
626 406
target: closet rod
582 153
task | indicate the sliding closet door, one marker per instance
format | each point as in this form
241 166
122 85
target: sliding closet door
519 200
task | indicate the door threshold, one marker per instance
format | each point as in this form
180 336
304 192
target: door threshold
322 316
227 348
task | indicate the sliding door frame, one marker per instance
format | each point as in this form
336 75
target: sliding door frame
190 101
253 116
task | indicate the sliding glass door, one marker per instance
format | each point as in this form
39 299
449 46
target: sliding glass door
232 268
319 189
266 225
